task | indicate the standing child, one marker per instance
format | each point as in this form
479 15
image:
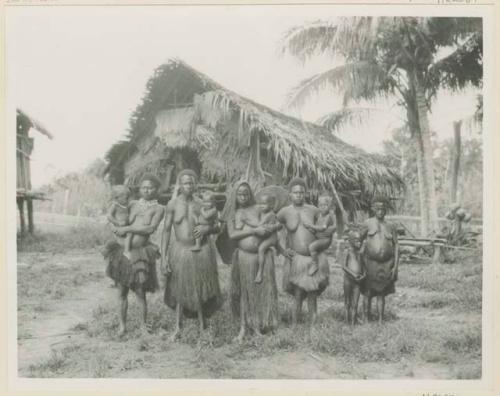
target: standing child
269 221
208 216
324 228
354 273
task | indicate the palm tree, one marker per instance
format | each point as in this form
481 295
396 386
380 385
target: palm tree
408 58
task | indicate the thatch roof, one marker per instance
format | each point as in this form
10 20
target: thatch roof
185 108
32 123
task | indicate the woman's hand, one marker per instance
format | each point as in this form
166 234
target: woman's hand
119 231
309 227
289 253
261 231
200 231
323 235
165 266
394 273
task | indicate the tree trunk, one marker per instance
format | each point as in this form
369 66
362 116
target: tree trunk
413 123
457 125
426 149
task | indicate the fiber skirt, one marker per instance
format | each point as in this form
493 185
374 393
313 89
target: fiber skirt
260 300
378 280
194 281
295 274
139 271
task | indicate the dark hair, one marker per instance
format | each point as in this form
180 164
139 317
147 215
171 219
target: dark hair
152 178
208 195
297 181
187 172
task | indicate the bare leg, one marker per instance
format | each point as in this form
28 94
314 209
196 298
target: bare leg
298 295
201 320
258 277
178 322
355 301
123 296
312 306
141 296
197 245
347 299
367 302
263 247
243 325
380 307
315 248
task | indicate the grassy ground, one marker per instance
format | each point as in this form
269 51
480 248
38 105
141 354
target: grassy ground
433 327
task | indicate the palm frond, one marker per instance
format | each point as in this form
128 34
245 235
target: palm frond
353 116
361 80
461 68
309 39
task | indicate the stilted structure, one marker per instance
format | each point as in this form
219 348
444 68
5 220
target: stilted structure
24 148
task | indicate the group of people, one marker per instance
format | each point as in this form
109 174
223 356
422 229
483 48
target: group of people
247 237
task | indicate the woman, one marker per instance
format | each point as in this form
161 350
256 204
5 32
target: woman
381 259
192 286
256 303
138 272
296 279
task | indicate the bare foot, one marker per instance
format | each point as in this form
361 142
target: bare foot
258 333
147 328
258 278
239 337
121 331
175 335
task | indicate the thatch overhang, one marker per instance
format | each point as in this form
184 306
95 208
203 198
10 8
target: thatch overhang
26 122
183 108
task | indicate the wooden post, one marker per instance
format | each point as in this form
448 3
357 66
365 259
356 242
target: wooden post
456 161
20 205
339 202
66 201
31 225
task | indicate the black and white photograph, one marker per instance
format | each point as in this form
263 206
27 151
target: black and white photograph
249 192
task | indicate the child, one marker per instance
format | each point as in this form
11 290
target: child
118 216
353 275
269 221
208 216
325 223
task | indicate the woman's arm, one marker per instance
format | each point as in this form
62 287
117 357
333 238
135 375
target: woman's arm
165 238
144 229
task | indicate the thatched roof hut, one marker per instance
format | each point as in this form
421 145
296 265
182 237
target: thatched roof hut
187 119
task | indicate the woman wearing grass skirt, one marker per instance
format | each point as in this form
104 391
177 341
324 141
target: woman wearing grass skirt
297 279
192 286
255 303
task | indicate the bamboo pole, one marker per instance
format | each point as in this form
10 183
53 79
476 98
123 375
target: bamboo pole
339 202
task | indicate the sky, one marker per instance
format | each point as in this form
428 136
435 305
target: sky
81 72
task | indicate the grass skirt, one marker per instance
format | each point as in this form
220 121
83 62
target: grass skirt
378 278
260 299
140 270
194 281
295 274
